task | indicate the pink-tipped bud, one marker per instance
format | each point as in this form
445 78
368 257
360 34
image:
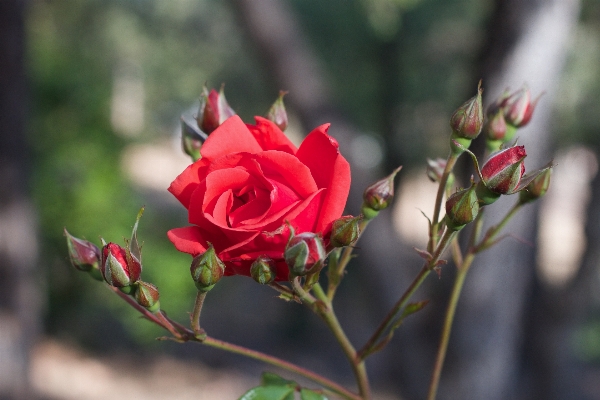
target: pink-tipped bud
379 195
467 120
119 267
263 270
345 231
461 208
207 269
213 111
146 295
277 113
502 174
84 255
519 107
304 252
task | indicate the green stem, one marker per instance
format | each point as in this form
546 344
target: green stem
343 262
232 348
195 317
450 312
324 309
450 162
391 316
488 239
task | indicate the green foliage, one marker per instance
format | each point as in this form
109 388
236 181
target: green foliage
274 387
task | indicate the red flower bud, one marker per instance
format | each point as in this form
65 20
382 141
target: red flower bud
263 270
84 255
119 267
501 174
467 120
213 111
518 108
277 113
345 231
304 252
379 195
146 295
461 208
207 269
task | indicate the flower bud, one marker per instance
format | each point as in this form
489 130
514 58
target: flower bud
263 270
537 187
303 252
84 255
497 131
207 269
379 195
191 140
501 174
213 111
119 267
345 231
277 113
435 169
146 295
518 108
461 208
467 120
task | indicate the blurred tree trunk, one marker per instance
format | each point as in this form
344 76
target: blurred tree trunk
527 43
18 247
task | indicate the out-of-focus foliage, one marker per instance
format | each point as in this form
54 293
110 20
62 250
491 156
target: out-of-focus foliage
106 74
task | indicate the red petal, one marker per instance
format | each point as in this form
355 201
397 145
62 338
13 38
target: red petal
188 240
184 185
270 137
283 167
329 168
231 136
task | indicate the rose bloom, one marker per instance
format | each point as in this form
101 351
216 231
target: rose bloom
250 183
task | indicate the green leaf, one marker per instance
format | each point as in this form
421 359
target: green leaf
134 247
271 379
269 393
306 394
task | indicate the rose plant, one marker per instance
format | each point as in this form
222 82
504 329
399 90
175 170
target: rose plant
261 207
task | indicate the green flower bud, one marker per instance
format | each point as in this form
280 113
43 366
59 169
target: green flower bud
146 295
207 269
345 231
461 208
263 270
84 255
537 187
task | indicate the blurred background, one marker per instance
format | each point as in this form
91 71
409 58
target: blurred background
90 98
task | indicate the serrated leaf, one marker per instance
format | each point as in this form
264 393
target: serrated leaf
269 393
307 394
271 379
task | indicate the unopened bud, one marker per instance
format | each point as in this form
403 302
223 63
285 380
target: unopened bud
263 270
461 208
84 255
519 107
213 111
501 174
277 113
467 120
304 252
379 195
537 187
146 295
207 269
435 169
345 231
119 267
497 131
191 140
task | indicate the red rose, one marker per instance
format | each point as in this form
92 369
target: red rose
250 182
